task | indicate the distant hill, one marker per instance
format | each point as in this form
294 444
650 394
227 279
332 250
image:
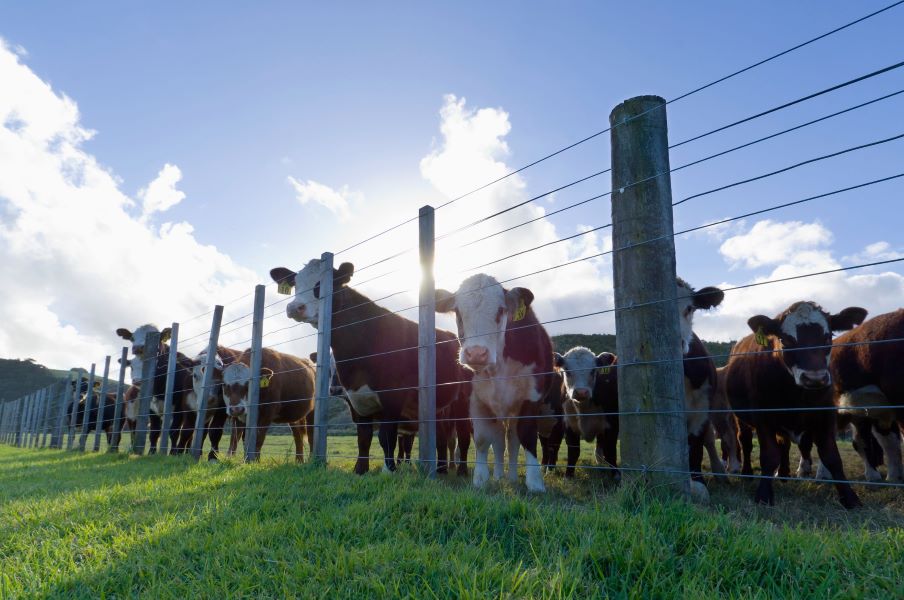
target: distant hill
19 377
605 342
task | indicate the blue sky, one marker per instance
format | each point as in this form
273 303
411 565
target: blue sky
241 97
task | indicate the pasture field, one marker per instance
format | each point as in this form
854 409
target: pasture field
111 526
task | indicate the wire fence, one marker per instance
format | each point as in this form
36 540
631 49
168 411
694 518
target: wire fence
401 379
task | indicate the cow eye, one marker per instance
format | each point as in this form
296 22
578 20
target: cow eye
499 314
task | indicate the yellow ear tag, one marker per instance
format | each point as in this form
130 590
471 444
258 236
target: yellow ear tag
284 288
761 338
605 370
521 312
265 381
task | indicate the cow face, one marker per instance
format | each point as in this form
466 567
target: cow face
804 334
138 339
305 307
199 367
483 308
689 301
134 367
581 367
236 379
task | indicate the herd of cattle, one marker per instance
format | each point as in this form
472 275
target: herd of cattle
499 379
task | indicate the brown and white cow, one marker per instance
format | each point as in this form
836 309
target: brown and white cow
784 365
510 353
376 358
215 417
286 395
868 371
591 404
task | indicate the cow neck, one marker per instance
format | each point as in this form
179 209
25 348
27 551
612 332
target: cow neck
697 369
354 327
527 342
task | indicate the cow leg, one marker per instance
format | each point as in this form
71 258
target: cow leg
365 437
154 421
512 449
216 433
745 436
863 436
298 428
487 433
236 436
554 443
389 433
805 468
784 464
573 445
442 448
527 435
187 433
831 459
770 456
175 428
890 440
709 442
731 449
695 453
463 433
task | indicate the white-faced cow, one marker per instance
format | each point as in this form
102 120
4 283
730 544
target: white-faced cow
182 426
784 365
591 404
376 358
215 417
286 395
868 371
510 353
699 377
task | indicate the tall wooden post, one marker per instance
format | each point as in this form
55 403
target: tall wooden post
197 441
148 378
73 409
324 341
101 401
171 365
46 404
86 416
56 441
426 355
646 322
26 421
120 393
20 420
254 386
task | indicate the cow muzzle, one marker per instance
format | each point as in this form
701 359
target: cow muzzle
236 411
580 394
296 312
476 357
814 380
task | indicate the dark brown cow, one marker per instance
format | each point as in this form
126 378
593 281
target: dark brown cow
591 382
376 358
551 427
785 365
286 395
868 370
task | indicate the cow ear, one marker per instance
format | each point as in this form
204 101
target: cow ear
343 274
445 301
124 334
605 359
518 299
708 297
166 334
283 276
847 319
558 360
313 357
761 324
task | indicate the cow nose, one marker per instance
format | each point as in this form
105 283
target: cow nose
236 411
295 312
817 379
581 393
477 355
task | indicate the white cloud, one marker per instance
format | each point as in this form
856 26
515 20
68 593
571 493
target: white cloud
161 194
336 201
875 252
771 243
74 263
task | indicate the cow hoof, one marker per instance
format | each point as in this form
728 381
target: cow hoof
766 499
536 485
462 470
823 473
873 475
361 467
481 476
699 493
850 501
718 468
569 473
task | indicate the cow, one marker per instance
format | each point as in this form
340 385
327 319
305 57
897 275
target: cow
286 395
591 404
376 358
215 417
725 424
782 365
510 353
182 426
129 410
867 370
107 420
551 425
699 377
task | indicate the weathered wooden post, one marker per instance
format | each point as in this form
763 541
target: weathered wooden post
426 354
324 340
101 401
57 439
29 419
120 393
167 422
254 386
86 416
20 421
648 340
49 426
148 374
197 441
73 409
41 433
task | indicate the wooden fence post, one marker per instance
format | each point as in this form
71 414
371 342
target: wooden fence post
86 415
167 422
49 425
73 410
197 441
254 386
120 392
26 421
20 419
324 341
101 402
57 440
41 438
426 355
148 375
646 322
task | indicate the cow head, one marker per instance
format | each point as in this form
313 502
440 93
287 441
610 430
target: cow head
581 367
138 339
689 301
483 308
804 335
236 379
305 307
199 367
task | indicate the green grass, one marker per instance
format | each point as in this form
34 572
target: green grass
111 526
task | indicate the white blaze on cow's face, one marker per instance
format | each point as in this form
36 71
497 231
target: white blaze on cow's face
689 301
199 367
580 367
236 378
